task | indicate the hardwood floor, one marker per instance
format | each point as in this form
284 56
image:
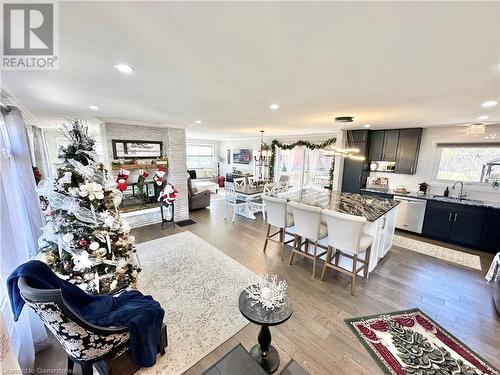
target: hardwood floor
316 336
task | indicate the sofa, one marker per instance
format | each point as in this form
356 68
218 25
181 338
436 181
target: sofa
203 179
197 199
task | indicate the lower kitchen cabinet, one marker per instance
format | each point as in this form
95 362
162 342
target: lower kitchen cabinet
490 236
437 221
467 225
462 224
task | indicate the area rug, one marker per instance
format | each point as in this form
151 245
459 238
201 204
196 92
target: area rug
440 252
409 342
198 286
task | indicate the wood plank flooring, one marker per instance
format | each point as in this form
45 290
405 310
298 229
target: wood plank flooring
316 336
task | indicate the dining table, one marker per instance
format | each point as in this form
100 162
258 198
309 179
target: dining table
250 194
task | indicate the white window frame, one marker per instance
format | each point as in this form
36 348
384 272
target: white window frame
212 146
437 161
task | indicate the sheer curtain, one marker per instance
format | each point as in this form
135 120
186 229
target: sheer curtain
39 153
20 223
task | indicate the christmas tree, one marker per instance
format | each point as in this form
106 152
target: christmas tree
84 239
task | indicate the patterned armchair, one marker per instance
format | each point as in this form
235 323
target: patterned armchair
83 342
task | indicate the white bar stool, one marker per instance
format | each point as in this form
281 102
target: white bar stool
308 226
345 235
279 218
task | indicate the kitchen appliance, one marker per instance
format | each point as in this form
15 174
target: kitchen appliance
411 212
422 188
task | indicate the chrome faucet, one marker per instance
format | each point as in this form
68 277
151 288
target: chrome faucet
461 195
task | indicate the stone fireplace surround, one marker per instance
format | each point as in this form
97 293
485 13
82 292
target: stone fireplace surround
174 147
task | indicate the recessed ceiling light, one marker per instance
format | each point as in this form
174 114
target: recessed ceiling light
344 119
93 107
489 103
198 122
274 106
124 68
366 125
482 118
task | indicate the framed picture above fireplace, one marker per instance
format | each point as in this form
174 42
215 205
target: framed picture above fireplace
136 149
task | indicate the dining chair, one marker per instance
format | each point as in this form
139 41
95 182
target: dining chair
277 216
232 199
308 226
251 180
258 204
346 237
240 181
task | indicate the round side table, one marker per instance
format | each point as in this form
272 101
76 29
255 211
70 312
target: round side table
264 353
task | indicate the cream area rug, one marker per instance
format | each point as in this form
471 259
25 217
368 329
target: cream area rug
198 287
440 252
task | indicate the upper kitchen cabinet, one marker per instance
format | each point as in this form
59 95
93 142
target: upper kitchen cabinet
391 138
407 152
383 145
356 171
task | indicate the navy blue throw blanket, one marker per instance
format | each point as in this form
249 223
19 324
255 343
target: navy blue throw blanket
141 314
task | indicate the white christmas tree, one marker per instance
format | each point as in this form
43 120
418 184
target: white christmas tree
84 239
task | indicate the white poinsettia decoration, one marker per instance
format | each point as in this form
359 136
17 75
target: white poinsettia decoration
92 190
82 261
74 191
268 291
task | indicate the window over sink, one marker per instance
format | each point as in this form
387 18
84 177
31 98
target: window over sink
473 163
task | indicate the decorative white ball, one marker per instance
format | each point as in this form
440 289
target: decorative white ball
68 237
94 246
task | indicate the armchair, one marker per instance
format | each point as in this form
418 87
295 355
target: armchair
197 200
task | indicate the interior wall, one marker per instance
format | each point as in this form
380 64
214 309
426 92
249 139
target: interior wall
427 158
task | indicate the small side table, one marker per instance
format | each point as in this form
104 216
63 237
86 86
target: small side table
264 353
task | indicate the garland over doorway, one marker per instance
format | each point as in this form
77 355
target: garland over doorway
275 144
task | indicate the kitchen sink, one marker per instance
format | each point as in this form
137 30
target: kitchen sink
454 199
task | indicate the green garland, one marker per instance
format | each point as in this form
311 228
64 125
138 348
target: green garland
275 144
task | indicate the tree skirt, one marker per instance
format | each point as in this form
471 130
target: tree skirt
409 342
198 287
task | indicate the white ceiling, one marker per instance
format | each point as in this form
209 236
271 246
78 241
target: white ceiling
390 64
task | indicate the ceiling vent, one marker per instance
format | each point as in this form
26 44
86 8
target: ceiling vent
344 119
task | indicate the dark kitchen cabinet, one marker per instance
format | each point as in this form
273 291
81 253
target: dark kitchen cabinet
356 171
376 145
437 221
391 138
467 224
408 148
490 236
454 222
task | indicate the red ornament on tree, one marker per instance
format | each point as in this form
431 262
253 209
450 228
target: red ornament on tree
82 242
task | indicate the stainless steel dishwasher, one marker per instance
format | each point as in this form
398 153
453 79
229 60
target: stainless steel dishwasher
411 212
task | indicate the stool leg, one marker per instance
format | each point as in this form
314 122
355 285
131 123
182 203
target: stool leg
282 243
367 262
293 250
353 284
327 260
267 237
315 258
87 369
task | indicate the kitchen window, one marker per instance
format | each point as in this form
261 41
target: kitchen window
474 163
199 156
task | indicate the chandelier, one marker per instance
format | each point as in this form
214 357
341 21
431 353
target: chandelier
262 156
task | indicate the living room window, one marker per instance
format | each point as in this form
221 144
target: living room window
199 156
474 163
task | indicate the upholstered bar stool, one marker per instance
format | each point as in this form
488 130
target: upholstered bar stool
346 238
308 226
279 218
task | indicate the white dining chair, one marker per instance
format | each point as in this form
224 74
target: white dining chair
277 216
251 180
240 181
347 238
308 226
258 204
232 200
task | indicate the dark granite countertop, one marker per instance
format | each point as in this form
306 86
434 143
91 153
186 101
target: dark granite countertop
468 202
354 204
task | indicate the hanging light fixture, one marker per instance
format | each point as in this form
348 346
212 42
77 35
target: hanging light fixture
347 152
262 156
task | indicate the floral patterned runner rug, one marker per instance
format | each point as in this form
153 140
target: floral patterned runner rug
409 342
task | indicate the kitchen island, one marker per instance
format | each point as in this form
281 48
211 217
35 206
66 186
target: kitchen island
380 214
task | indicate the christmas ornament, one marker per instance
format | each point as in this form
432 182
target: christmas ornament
159 174
92 190
169 194
82 261
83 242
94 246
